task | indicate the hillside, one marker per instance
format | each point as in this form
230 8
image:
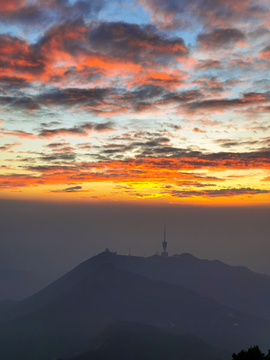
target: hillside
135 341
85 301
235 286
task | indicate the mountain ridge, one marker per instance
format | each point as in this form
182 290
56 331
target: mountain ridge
234 286
106 294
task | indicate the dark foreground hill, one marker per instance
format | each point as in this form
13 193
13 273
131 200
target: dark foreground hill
133 341
73 310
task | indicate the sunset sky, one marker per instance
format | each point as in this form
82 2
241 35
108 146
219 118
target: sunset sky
155 101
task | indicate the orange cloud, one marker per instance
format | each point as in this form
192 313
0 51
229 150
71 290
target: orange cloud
106 49
265 54
19 58
145 169
12 5
167 79
197 130
8 147
19 134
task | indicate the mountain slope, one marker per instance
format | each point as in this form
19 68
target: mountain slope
52 291
66 323
235 286
135 341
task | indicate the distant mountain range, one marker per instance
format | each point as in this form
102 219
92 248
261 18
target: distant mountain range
65 318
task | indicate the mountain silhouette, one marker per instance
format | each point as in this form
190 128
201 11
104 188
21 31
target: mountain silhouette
235 286
63 318
133 341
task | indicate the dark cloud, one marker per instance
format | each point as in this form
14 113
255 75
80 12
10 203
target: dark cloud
199 176
103 127
215 104
221 105
73 96
173 126
147 92
214 84
208 64
25 104
153 147
197 130
229 192
102 101
219 38
226 143
55 145
84 130
13 81
139 44
97 100
182 158
40 13
51 123
60 148
184 97
44 169
80 130
19 103
263 143
259 8
59 156
72 189
174 14
167 14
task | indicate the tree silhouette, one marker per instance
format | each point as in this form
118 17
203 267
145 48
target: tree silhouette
253 353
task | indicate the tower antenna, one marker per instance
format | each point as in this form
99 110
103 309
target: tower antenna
164 232
164 243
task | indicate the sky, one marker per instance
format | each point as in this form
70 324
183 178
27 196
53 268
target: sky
135 101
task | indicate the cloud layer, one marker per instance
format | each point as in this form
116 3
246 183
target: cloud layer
170 103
